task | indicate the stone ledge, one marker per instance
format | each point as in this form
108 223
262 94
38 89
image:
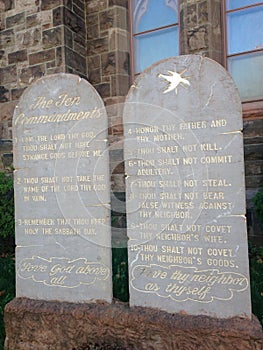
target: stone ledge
35 324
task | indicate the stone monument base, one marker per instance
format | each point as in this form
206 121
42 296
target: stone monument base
42 325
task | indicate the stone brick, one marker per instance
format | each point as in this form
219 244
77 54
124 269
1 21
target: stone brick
120 85
58 16
80 4
94 62
8 74
68 4
94 76
80 40
114 17
18 56
4 94
254 181
118 182
191 17
33 20
92 19
7 160
60 69
96 5
68 37
28 5
15 20
6 115
29 38
42 56
16 93
115 62
97 46
75 61
253 129
117 168
6 146
80 49
254 168
119 40
30 74
116 155
123 3
253 152
52 37
7 38
2 21
74 22
59 57
78 11
197 39
9 4
50 4
202 13
103 89
51 64
108 62
93 32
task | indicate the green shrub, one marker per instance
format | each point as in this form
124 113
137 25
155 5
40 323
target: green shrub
7 289
7 223
7 246
256 280
120 274
258 204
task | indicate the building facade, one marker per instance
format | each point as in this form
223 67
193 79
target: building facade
98 40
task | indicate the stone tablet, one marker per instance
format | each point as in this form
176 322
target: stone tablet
62 192
185 190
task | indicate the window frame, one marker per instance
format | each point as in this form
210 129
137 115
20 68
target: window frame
251 109
132 36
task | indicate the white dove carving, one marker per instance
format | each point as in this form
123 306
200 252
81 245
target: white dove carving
175 79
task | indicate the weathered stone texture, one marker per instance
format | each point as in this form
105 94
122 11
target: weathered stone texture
8 75
41 57
7 110
108 63
74 60
6 156
52 37
64 326
50 4
29 38
15 20
253 150
17 56
108 48
200 29
35 38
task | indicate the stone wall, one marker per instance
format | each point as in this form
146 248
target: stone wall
253 149
108 65
91 38
201 28
37 38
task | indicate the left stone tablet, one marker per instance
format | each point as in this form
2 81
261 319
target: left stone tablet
62 192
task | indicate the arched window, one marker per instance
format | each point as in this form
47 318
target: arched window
154 31
244 46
